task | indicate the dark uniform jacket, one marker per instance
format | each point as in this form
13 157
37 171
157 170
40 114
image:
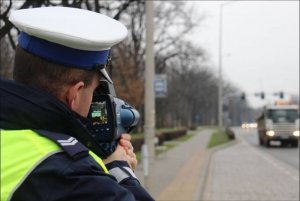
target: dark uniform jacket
68 176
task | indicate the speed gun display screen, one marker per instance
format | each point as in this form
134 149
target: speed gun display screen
99 113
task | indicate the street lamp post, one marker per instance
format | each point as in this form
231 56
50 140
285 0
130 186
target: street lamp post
220 87
149 126
220 91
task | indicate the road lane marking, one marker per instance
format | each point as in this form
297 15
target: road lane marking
269 158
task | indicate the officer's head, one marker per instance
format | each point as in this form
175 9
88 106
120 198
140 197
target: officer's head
64 51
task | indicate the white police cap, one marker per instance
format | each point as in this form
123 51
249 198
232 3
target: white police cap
69 36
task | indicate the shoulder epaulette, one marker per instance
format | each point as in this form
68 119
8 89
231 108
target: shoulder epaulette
69 144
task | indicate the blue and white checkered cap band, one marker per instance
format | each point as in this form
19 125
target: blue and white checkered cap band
60 54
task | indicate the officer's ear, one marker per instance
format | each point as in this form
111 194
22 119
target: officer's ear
72 95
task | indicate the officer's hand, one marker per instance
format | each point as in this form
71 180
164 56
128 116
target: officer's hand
118 155
124 152
126 144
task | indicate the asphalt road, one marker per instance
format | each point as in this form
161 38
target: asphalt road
288 155
246 172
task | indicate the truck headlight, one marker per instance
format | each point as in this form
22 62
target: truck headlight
270 133
296 133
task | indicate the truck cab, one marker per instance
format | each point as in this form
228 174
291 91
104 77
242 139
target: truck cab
279 123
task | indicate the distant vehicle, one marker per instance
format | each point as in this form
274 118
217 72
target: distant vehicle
279 123
249 125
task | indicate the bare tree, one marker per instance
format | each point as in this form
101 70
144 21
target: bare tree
8 32
6 59
168 45
192 86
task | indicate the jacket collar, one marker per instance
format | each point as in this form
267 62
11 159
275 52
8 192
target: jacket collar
24 107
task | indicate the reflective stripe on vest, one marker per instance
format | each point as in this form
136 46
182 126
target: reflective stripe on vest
21 152
99 160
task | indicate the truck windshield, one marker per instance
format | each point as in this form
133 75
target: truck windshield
283 115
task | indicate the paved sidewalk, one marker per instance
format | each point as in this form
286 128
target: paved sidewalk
179 172
241 172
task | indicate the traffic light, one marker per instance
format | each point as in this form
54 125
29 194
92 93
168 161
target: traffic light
262 95
281 95
243 96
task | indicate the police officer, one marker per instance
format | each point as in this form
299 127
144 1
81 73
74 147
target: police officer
47 153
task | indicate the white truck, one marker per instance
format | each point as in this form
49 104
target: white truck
279 123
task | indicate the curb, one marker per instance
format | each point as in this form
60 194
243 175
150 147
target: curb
204 175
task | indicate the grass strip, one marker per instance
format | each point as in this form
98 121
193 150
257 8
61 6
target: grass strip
169 145
218 137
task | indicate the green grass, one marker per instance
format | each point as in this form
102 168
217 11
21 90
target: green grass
137 135
175 142
157 131
138 156
160 130
218 137
169 145
185 137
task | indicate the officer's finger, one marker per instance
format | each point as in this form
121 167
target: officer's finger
125 143
130 152
132 161
126 136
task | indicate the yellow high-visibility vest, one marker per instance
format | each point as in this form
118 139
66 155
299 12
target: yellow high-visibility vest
21 152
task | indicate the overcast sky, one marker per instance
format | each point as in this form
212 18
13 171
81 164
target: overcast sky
260 44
